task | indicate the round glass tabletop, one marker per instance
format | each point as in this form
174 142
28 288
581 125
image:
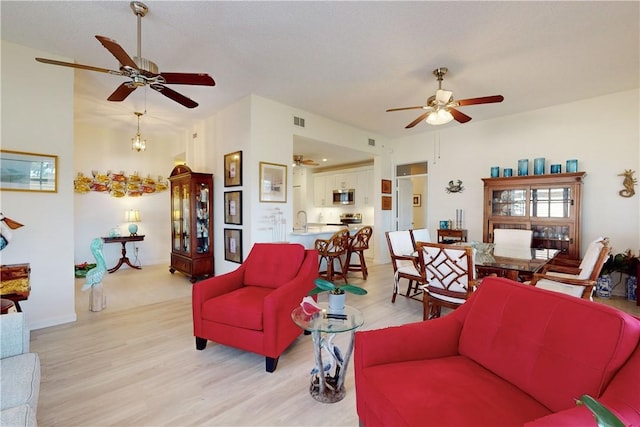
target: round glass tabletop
328 321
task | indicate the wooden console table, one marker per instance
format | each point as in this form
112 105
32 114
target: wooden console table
450 235
123 240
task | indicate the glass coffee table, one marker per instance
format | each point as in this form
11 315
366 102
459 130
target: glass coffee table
327 377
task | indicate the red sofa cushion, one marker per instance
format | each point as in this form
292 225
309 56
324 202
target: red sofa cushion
448 391
271 268
573 346
241 308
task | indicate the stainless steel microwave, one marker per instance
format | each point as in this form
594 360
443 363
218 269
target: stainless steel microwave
344 197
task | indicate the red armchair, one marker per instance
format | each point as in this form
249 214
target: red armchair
250 308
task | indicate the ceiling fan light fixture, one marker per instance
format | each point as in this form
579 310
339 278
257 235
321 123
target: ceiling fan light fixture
137 143
439 117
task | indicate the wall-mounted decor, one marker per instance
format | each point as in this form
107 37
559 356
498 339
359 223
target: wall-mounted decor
628 182
386 186
233 207
273 182
233 245
417 200
20 171
233 169
118 184
386 203
455 187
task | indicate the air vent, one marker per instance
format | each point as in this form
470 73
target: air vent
298 121
372 142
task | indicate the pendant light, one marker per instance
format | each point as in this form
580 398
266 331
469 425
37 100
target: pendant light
137 143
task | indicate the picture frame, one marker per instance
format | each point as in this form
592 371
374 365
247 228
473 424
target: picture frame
233 169
22 171
417 200
386 186
273 182
387 203
233 245
233 207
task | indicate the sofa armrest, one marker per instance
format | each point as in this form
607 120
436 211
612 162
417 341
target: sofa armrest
429 339
15 335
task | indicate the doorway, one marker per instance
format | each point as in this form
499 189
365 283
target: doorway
411 196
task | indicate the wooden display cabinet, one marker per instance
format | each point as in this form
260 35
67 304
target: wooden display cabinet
550 205
191 223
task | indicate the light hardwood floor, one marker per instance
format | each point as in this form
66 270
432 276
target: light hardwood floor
135 362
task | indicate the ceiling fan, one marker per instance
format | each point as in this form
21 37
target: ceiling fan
140 70
298 160
441 107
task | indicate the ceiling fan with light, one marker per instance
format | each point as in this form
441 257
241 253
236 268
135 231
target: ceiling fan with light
441 107
139 70
298 160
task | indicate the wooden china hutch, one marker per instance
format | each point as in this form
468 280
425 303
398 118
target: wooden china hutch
191 223
550 205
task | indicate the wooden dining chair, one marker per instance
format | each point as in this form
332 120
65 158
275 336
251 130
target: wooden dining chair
405 263
358 243
512 238
449 276
332 251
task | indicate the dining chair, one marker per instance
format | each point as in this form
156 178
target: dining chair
358 243
512 238
420 235
449 275
575 277
405 263
332 251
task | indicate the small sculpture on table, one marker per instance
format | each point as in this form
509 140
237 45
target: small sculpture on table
97 300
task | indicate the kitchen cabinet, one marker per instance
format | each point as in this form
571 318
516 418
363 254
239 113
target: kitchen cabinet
324 183
345 181
191 223
364 188
549 205
322 190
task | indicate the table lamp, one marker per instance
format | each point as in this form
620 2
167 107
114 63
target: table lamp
132 216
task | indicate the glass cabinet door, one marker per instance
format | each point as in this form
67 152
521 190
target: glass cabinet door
551 202
202 218
176 219
186 233
552 236
512 202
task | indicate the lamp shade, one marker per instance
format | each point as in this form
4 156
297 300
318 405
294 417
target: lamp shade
439 117
132 216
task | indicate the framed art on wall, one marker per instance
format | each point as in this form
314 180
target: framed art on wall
417 200
21 171
386 203
233 207
233 245
386 186
273 182
233 169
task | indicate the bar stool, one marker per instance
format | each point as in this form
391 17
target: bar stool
358 244
331 250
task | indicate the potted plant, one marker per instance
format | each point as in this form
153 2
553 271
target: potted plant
337 293
604 417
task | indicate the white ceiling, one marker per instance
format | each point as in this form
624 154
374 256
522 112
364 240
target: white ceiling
347 61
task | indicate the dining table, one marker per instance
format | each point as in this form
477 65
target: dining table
514 263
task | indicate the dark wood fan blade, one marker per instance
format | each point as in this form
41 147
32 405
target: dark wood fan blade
80 66
459 116
188 79
172 94
117 51
420 118
121 93
481 100
405 108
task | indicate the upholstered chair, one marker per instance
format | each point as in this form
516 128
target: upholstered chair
250 307
405 263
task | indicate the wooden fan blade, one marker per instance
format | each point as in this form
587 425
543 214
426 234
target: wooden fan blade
117 51
80 66
420 118
481 100
172 94
406 108
121 93
188 79
459 116
310 163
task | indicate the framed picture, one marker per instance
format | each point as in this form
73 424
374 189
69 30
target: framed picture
233 245
233 169
273 182
386 186
233 207
386 203
21 171
417 200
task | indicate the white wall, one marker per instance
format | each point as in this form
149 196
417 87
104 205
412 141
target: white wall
36 123
604 147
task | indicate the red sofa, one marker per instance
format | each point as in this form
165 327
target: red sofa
250 307
511 355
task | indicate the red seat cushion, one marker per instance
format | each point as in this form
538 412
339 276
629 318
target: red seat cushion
450 391
273 264
241 308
